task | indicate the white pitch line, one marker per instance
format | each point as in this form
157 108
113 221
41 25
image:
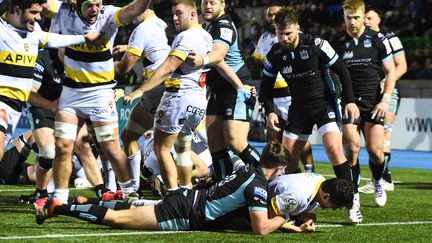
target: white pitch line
91 235
361 178
32 189
374 224
182 232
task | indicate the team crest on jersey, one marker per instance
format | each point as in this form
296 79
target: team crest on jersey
26 47
228 112
160 114
284 57
348 55
317 41
304 55
226 34
287 70
367 43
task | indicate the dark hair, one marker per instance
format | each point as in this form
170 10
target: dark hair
372 8
23 4
275 4
341 192
274 154
286 17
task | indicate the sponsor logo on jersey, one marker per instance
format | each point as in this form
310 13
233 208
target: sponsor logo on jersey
304 55
317 41
224 21
287 70
331 115
228 112
226 34
260 192
26 47
367 43
348 55
195 110
284 57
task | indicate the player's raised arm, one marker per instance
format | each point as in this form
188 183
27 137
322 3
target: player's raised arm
133 10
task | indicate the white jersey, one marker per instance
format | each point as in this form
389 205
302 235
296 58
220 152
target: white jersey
18 54
187 79
293 194
149 42
265 43
88 67
150 160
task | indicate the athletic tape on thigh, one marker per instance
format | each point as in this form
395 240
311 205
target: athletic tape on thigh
106 132
47 152
65 130
184 159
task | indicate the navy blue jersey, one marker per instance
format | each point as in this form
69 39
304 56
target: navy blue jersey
49 72
245 187
364 57
303 69
224 31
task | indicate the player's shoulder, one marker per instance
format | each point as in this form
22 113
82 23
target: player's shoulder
223 21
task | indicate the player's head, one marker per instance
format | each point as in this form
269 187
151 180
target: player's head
212 9
274 156
89 9
354 16
336 193
25 13
287 28
272 9
372 18
184 14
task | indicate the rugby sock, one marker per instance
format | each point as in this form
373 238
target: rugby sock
62 195
222 164
100 190
88 212
355 170
126 187
343 171
115 205
387 172
377 170
250 155
108 175
134 169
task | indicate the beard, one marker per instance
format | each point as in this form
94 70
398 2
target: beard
270 28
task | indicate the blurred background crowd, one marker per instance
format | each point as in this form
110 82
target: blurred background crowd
411 20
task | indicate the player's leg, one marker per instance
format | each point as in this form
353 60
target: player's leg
163 144
294 143
184 159
218 149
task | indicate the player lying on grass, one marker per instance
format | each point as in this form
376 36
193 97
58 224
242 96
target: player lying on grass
186 209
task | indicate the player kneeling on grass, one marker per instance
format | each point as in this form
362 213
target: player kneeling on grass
186 209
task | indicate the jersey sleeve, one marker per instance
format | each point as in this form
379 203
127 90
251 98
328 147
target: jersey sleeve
285 204
396 45
258 53
182 45
224 33
112 12
327 54
268 79
384 49
137 42
256 196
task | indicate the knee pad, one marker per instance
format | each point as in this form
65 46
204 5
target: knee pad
184 140
45 163
388 127
184 159
106 132
47 152
65 130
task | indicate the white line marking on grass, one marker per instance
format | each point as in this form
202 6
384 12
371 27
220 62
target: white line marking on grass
373 224
91 235
361 178
18 237
32 189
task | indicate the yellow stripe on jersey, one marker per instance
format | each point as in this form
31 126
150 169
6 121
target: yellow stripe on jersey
172 83
274 206
147 74
200 126
317 187
178 54
117 19
52 9
258 56
14 93
90 77
104 46
136 52
280 83
44 42
18 59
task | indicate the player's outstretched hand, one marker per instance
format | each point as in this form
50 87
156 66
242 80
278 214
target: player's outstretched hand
119 49
92 37
128 99
308 226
